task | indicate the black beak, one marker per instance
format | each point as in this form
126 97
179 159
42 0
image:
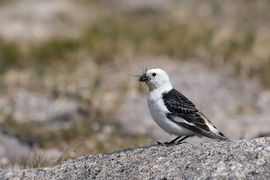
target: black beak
143 78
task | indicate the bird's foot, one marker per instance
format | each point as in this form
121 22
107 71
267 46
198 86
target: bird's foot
179 142
176 141
167 144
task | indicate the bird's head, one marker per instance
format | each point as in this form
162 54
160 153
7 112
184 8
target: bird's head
156 78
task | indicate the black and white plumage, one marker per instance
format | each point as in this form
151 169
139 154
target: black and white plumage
173 112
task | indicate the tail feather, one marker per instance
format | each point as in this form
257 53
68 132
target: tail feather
214 132
218 135
221 137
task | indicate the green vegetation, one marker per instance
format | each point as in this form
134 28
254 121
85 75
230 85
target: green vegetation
4 1
9 55
110 37
12 55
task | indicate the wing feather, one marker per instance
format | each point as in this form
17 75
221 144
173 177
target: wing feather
181 106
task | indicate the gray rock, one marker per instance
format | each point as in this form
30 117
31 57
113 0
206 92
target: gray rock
139 4
39 20
11 150
246 159
13 153
31 106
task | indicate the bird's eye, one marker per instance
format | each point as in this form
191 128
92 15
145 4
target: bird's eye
154 74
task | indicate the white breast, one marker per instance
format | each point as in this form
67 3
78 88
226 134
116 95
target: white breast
158 111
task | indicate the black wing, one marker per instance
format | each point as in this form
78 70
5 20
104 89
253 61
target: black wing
181 106
177 103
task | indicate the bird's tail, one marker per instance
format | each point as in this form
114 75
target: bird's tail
220 136
214 132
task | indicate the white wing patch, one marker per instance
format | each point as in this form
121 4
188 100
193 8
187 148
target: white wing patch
212 128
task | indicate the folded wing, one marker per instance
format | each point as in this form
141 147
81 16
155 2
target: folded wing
180 106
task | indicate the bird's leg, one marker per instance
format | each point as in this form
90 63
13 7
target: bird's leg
180 140
170 142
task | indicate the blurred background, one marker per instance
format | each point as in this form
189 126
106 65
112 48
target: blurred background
64 64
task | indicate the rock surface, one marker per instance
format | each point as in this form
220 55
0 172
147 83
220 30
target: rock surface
39 108
245 159
13 151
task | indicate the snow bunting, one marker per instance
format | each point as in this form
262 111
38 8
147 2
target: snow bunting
173 112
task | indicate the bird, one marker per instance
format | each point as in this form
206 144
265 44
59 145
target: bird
174 112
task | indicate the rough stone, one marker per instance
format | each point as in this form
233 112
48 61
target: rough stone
245 159
13 151
30 106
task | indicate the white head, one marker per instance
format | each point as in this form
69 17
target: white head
156 79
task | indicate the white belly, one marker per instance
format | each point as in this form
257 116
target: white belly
158 111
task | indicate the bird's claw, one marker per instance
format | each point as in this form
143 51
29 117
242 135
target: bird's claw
167 144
